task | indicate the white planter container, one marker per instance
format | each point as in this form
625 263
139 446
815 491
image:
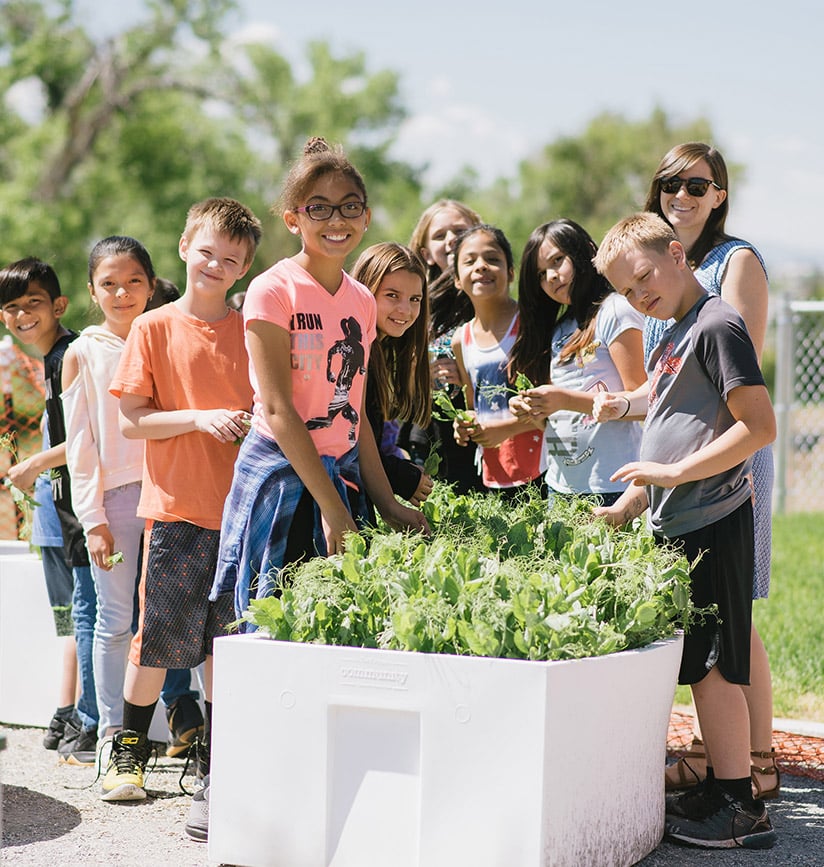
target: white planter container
31 654
369 758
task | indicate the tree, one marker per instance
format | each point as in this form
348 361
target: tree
594 178
123 134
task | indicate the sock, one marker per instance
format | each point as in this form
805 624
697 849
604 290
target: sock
138 718
64 712
740 789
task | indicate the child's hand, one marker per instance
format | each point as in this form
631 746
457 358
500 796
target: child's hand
463 427
335 529
520 407
607 406
491 434
543 401
423 490
401 517
648 473
24 474
225 425
100 542
444 372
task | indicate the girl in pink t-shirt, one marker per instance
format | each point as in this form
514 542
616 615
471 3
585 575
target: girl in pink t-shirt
309 326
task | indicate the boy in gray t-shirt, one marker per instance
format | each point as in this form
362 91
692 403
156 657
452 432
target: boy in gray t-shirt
707 411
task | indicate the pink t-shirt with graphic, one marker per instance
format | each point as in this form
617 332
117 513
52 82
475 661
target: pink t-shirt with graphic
330 338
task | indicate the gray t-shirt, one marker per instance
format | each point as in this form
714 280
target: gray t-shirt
698 362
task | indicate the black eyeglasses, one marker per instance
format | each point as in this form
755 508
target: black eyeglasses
319 212
696 187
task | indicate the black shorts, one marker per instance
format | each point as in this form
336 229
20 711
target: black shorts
723 576
177 622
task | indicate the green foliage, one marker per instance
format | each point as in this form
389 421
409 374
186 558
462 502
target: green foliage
789 622
594 178
135 128
496 579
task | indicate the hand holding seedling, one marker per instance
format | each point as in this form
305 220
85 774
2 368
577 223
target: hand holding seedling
225 425
464 426
100 542
541 402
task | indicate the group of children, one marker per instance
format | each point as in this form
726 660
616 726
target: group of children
553 385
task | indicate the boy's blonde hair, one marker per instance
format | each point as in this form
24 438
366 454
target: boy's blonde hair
228 217
639 231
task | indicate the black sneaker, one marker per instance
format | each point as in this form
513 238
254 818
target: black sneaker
694 803
729 824
54 733
124 780
185 725
79 745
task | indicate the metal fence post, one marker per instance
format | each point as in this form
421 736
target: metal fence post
783 398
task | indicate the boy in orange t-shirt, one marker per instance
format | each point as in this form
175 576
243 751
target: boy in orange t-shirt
183 384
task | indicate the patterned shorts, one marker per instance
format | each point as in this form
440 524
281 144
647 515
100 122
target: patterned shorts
177 622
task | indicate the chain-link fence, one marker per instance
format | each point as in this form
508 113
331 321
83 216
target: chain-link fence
799 406
20 437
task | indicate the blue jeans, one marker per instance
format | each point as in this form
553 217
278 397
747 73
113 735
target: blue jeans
84 614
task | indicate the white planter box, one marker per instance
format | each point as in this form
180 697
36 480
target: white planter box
31 654
369 758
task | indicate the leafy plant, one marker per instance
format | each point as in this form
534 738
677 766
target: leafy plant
24 501
433 460
446 409
495 579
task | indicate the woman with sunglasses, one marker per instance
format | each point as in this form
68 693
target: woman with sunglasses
690 191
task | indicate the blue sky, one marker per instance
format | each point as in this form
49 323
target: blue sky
514 75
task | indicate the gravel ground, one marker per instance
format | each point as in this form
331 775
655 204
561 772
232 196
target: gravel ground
53 815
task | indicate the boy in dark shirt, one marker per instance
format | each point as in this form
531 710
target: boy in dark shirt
707 412
32 305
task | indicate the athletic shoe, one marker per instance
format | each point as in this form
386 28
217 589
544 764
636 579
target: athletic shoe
185 725
79 745
54 733
695 802
197 825
727 825
127 767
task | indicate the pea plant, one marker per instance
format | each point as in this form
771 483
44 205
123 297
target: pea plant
495 579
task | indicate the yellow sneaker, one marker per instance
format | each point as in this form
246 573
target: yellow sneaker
127 765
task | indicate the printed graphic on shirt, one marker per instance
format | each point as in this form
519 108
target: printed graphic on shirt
348 356
566 447
667 363
306 334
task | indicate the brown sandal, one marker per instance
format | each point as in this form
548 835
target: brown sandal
768 770
689 770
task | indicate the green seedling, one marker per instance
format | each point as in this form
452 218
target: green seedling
433 460
447 411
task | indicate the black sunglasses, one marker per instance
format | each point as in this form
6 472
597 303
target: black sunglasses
696 187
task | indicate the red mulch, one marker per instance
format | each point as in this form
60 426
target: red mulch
797 754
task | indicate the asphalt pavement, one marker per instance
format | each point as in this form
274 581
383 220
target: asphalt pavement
798 819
